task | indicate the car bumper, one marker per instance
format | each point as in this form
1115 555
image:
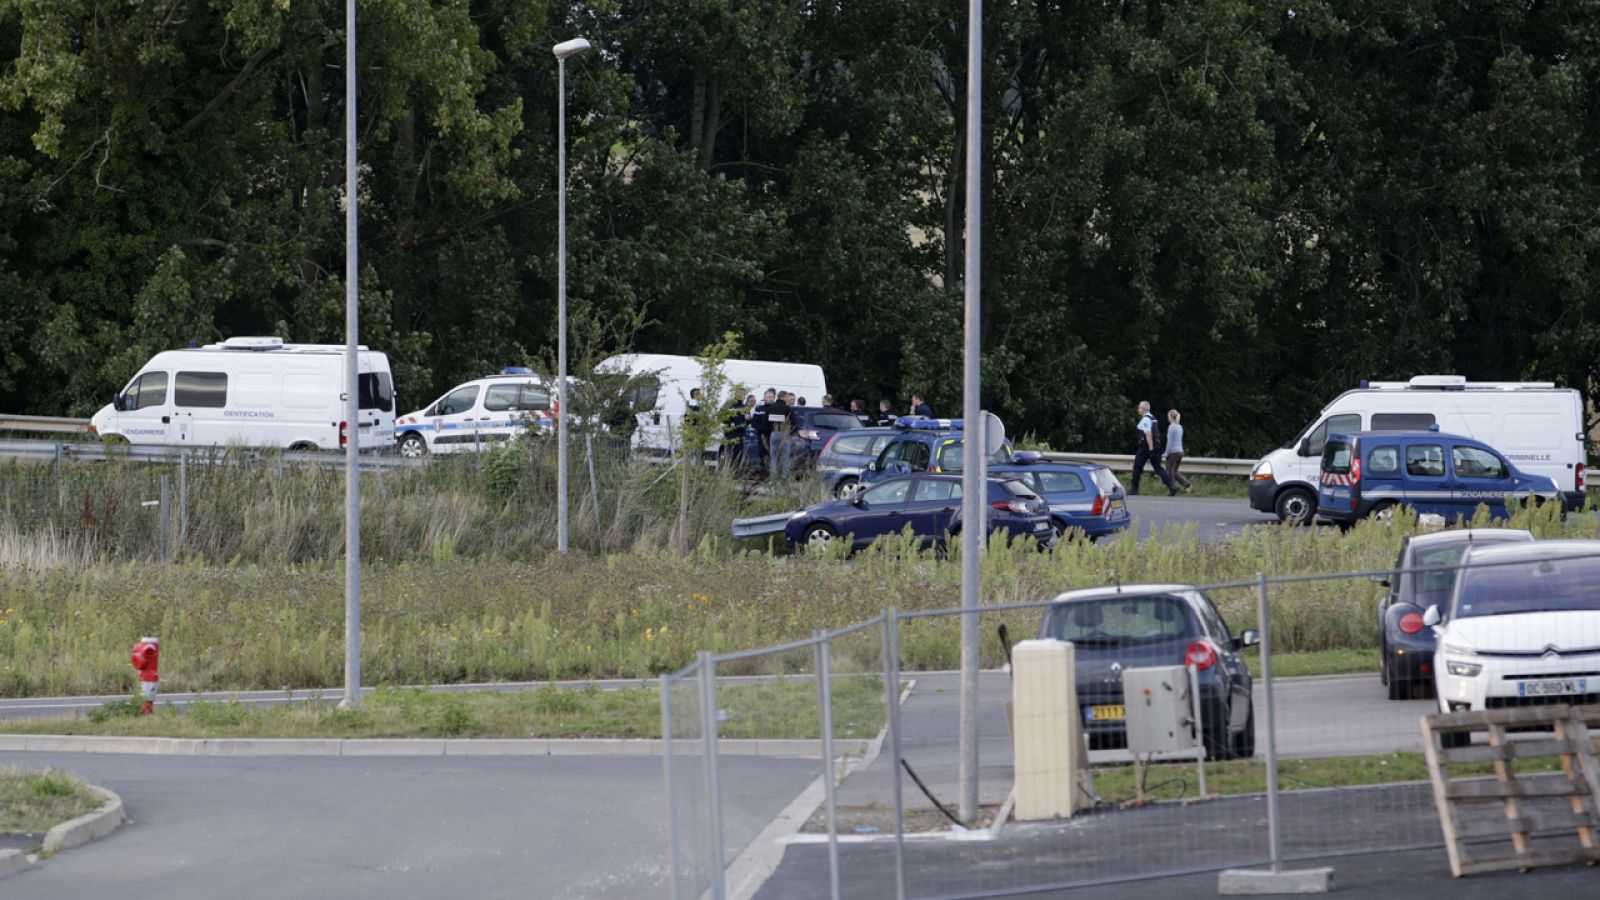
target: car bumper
1264 494
1411 656
1573 501
1522 682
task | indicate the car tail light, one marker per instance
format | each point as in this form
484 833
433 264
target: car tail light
1099 507
1411 623
1020 507
1200 654
1578 479
829 445
809 434
344 434
1355 471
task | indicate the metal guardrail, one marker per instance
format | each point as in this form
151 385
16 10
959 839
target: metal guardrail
44 424
75 451
760 526
1192 465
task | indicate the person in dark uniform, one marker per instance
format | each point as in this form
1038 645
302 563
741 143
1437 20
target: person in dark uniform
732 453
779 424
1147 450
858 408
758 420
920 407
886 414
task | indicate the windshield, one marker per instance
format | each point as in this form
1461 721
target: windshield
1120 622
1546 585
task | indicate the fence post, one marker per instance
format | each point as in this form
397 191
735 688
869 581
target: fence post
673 872
183 500
708 730
1199 722
594 490
891 680
166 519
825 719
1263 622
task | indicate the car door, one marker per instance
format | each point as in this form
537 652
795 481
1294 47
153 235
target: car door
1428 488
1480 477
145 410
454 419
879 510
933 506
1238 672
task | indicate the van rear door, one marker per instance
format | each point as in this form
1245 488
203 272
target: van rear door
1337 479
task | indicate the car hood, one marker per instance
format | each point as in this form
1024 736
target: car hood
1528 632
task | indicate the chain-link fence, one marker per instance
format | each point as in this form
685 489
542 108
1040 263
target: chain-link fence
1095 709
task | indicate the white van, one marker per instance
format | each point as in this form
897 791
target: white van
660 403
476 414
1535 424
252 392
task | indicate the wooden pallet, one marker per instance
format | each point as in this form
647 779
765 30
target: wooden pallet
1555 806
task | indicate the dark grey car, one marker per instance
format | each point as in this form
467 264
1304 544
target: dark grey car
1113 629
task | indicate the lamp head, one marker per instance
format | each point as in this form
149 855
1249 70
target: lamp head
570 48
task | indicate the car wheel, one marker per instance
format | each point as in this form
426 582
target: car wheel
303 447
412 446
1401 688
847 487
1244 743
820 535
1058 529
1383 664
1296 506
1383 513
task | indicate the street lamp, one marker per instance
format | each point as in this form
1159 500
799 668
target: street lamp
352 434
562 51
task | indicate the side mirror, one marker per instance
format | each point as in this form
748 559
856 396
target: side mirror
120 404
855 500
1305 447
1249 638
1430 616
1381 579
872 466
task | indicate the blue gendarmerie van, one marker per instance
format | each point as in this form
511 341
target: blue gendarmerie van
1372 473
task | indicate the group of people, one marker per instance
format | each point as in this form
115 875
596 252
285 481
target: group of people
772 424
1153 450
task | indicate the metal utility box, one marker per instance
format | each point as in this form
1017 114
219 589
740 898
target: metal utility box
1156 699
1050 755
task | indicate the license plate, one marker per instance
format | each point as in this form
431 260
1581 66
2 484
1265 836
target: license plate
1040 526
1554 687
1116 506
1107 713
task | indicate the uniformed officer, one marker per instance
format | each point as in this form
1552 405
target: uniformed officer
1146 451
758 420
858 408
779 415
885 413
920 407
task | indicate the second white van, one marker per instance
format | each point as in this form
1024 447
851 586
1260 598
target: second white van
1536 425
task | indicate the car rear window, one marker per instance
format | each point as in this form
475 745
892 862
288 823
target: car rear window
1060 482
857 445
1016 488
1121 621
1107 481
1546 585
1336 457
836 421
1435 587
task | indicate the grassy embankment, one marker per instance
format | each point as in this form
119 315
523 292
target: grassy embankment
31 802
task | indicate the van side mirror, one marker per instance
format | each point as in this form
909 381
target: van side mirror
120 404
1305 447
1430 616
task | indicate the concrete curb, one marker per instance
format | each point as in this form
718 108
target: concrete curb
1258 882
13 861
85 828
363 747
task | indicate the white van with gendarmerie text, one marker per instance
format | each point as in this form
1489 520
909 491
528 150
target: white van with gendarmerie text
252 392
1534 424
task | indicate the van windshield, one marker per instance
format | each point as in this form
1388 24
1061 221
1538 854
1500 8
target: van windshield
375 390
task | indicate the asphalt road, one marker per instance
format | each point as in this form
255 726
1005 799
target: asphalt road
389 828
1214 518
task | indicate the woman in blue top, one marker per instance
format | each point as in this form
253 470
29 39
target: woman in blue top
1175 450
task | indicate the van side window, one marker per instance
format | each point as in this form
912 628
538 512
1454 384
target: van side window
1470 462
375 390
202 390
150 390
1402 421
500 397
1425 460
1340 424
1384 461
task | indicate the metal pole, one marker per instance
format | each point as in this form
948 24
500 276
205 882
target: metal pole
891 679
1274 826
825 719
352 444
561 304
594 491
708 730
1199 722
673 872
974 521
183 500
166 520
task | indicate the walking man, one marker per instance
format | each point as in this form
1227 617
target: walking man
1146 451
1175 450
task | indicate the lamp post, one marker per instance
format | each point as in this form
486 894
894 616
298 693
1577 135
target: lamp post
352 428
562 51
975 509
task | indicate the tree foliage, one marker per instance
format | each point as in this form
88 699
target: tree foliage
1233 207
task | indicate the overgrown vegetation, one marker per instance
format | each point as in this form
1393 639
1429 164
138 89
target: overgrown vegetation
66 629
31 801
774 709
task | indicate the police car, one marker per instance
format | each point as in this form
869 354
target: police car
477 414
925 445
1082 495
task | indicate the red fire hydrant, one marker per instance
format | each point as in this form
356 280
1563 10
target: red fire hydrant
146 657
